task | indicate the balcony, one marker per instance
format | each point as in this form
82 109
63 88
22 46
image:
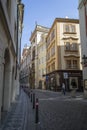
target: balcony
73 67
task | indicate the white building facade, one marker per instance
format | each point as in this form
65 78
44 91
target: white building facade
42 62
83 31
9 36
35 39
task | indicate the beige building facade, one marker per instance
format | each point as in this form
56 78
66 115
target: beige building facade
64 55
83 31
42 61
9 35
35 39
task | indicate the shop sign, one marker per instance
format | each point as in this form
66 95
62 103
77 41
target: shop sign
65 75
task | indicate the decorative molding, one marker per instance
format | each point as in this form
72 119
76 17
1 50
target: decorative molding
82 3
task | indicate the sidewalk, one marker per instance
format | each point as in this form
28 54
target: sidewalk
21 115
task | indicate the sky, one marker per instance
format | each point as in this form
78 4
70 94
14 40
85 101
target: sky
44 12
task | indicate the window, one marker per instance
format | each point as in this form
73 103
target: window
74 46
71 64
72 28
48 55
67 47
69 28
52 34
71 47
52 50
68 63
33 54
48 41
66 28
75 64
53 66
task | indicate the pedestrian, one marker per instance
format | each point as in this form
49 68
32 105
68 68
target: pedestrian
63 88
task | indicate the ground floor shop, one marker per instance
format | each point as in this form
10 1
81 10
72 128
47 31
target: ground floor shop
71 78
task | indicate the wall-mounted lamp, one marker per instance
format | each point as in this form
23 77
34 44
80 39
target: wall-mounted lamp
84 58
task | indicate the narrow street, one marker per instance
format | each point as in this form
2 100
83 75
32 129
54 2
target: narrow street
56 112
43 65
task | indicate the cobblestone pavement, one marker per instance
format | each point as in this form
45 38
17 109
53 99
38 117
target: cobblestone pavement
59 112
16 118
56 112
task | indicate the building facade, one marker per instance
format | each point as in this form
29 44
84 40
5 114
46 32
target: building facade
25 67
9 35
42 62
35 39
83 31
64 55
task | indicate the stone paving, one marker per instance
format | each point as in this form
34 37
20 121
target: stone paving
56 112
62 112
17 116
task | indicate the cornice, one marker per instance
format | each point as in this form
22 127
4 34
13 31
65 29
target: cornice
62 20
40 29
82 3
72 55
67 20
73 38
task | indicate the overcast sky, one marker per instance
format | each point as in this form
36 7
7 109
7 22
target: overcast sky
44 12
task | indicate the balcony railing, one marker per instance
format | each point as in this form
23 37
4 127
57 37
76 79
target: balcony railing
72 67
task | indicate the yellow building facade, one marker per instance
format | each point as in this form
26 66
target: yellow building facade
64 55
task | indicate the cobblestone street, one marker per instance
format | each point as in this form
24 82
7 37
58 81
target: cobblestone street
56 112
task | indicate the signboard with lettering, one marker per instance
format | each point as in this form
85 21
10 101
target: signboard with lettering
65 75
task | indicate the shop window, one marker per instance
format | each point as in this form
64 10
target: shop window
73 83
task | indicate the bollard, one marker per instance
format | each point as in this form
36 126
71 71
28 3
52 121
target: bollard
37 112
33 100
31 96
